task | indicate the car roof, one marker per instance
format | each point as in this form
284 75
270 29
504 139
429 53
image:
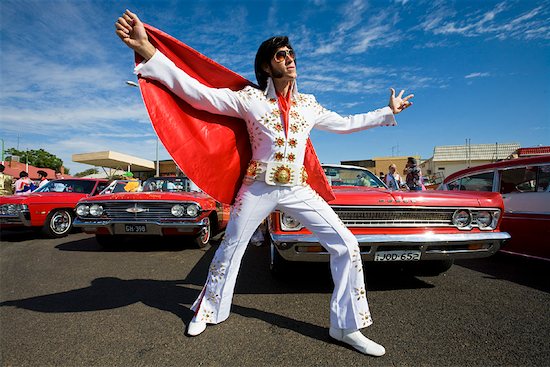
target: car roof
510 163
343 166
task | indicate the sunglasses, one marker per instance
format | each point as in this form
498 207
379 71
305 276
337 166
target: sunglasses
281 55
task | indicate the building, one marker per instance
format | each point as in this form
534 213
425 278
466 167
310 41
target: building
449 159
115 163
13 168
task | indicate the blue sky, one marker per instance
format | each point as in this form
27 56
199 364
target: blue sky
478 69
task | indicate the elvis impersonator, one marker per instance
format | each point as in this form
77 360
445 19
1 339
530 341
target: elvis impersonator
280 172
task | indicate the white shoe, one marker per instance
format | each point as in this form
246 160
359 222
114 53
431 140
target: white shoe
357 340
195 327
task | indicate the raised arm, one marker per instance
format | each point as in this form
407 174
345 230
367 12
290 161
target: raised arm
331 121
157 66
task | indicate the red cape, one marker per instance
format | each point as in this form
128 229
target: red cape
212 150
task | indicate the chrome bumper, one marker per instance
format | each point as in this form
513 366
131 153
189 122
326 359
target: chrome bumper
22 218
153 227
294 247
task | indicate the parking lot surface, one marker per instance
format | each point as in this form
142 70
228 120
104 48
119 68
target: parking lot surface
68 302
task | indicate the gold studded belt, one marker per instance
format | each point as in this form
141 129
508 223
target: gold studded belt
276 173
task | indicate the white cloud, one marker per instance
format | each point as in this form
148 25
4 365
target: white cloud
500 22
477 75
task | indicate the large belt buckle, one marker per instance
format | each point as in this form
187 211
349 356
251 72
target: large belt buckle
279 174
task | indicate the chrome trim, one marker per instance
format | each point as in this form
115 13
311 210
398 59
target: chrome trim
154 227
432 246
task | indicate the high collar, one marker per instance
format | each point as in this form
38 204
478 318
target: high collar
270 91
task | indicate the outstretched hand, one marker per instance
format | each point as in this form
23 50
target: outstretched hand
398 104
132 32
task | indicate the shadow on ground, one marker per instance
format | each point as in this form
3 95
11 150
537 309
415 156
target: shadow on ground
525 271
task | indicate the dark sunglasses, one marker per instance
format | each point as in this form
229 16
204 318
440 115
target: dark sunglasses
280 56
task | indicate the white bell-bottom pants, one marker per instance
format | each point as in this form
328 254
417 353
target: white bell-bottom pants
348 306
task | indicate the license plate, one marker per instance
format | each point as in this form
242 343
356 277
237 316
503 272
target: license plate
397 256
130 228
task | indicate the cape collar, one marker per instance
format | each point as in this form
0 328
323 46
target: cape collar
270 91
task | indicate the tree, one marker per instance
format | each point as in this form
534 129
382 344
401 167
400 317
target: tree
38 158
89 171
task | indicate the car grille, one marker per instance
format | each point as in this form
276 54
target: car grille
154 210
395 217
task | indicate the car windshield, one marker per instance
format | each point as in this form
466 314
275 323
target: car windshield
168 184
74 186
348 176
117 186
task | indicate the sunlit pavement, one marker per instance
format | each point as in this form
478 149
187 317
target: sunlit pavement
68 302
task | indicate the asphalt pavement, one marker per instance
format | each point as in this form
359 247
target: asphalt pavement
68 302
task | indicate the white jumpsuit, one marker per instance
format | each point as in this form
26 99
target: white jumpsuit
271 142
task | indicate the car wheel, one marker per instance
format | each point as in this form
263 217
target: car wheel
432 268
202 239
58 223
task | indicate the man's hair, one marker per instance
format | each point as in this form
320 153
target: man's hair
265 53
2 168
42 173
412 160
23 174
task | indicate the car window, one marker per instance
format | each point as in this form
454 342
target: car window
521 179
341 176
167 184
479 182
76 186
543 178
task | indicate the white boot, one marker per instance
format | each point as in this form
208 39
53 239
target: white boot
195 327
357 340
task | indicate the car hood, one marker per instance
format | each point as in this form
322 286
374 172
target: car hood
350 195
152 195
41 197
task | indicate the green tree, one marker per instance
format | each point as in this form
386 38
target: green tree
38 158
89 171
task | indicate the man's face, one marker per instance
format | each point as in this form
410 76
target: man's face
284 69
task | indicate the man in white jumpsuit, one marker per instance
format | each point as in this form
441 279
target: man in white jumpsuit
279 120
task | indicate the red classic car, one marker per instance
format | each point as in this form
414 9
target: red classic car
163 206
424 229
525 189
49 207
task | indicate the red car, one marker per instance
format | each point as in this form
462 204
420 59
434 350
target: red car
164 206
424 229
525 189
49 207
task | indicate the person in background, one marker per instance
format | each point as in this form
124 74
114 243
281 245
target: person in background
382 177
6 182
393 180
42 175
133 183
58 175
413 174
24 184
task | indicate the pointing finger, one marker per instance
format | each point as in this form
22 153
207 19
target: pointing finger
408 97
401 93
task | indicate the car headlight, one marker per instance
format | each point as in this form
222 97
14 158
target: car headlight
11 209
96 210
484 219
462 218
178 210
192 210
289 223
82 210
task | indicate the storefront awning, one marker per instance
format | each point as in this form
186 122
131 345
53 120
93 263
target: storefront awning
115 160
